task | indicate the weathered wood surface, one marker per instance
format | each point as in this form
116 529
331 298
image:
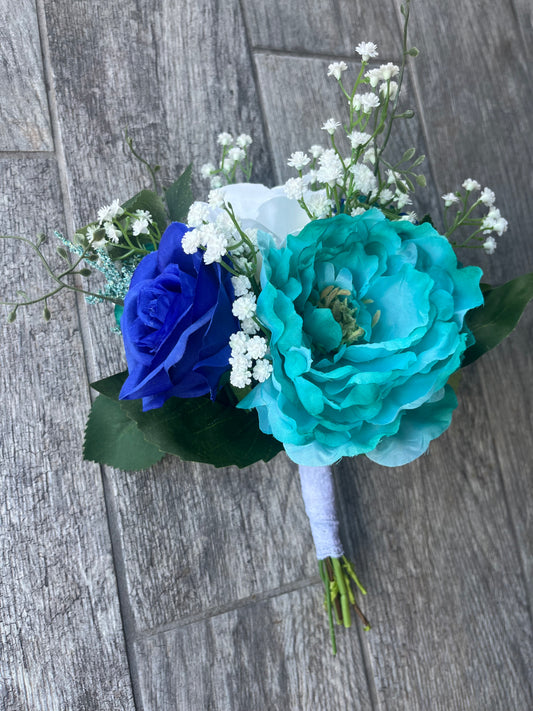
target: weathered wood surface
25 122
61 637
216 581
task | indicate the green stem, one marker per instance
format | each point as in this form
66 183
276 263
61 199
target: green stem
345 602
129 142
325 580
400 81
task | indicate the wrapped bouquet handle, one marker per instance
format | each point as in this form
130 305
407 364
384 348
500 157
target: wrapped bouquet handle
336 571
318 493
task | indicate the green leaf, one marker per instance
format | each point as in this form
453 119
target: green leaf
497 318
110 387
179 196
148 200
113 438
198 429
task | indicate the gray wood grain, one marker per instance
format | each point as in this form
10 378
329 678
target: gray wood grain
493 141
174 70
24 118
61 637
329 27
477 114
197 538
436 548
272 654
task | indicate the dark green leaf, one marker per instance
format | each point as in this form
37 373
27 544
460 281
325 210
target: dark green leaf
427 218
148 200
110 387
112 438
179 196
198 429
496 319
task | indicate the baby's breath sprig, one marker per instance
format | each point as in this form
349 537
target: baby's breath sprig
234 161
480 228
123 233
362 179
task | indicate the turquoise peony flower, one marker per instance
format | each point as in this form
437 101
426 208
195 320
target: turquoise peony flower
367 324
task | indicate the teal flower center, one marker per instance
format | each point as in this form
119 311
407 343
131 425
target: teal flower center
343 310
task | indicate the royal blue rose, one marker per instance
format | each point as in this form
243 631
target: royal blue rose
176 324
367 323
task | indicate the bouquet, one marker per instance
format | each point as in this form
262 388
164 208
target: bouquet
323 317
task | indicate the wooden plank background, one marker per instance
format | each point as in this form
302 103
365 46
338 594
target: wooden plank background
190 588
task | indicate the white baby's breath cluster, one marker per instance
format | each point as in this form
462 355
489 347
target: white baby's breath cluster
106 217
481 227
216 232
332 179
249 351
234 160
115 223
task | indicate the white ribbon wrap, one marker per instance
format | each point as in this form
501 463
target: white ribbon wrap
319 499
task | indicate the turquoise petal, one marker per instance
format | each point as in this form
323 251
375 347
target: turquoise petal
418 428
321 327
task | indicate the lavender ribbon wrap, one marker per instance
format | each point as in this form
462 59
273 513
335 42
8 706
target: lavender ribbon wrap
319 498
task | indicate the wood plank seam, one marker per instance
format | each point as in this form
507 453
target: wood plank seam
317 55
84 334
218 610
255 78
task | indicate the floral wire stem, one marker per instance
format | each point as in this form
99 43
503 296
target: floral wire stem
56 277
337 576
405 53
152 169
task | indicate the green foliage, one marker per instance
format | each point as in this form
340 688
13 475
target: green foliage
497 318
112 438
195 429
150 201
179 196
